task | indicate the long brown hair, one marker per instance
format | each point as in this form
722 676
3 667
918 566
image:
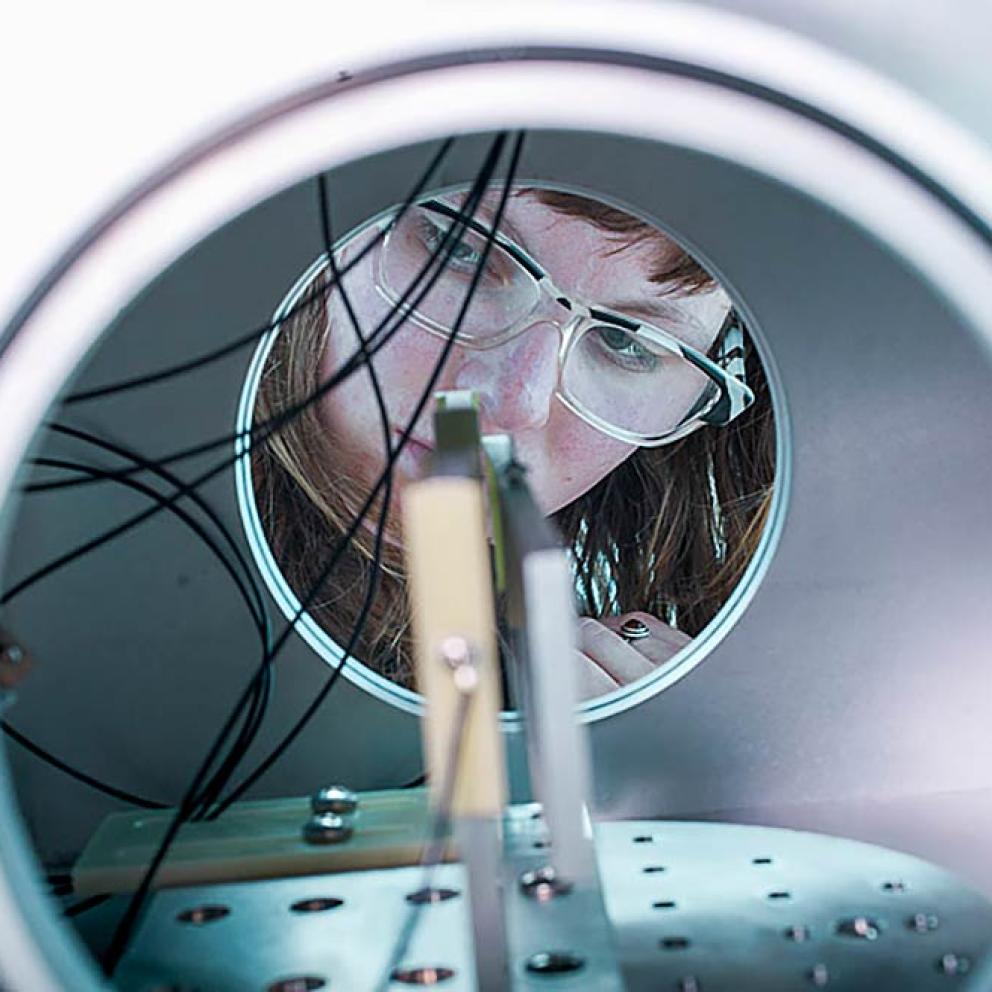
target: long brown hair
668 532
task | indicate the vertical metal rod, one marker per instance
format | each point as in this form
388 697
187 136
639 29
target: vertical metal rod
561 742
480 844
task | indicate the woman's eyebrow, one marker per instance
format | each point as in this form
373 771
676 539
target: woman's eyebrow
689 329
655 307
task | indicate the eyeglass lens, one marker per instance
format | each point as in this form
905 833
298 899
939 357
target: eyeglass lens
621 379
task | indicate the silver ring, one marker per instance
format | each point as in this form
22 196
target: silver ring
634 630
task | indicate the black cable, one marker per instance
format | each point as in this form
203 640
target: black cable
187 489
192 365
426 394
161 500
86 779
378 339
260 702
336 282
121 936
373 583
472 202
149 465
90 902
260 618
272 426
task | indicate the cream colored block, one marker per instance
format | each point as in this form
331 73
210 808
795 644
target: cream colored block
451 594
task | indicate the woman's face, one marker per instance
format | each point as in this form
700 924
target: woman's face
515 381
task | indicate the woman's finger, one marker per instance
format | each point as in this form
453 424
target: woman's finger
612 653
592 680
662 642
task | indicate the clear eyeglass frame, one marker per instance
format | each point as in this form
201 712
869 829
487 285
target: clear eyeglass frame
730 397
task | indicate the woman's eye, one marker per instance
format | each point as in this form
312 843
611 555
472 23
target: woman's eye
623 349
460 255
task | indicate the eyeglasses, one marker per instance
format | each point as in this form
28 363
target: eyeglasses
631 380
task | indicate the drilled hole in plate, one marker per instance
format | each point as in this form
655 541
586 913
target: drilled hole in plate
199 915
320 905
298 983
761 861
895 885
431 895
554 962
779 895
644 839
429 975
654 869
664 904
674 943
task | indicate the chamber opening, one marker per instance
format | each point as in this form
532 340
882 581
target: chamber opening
685 752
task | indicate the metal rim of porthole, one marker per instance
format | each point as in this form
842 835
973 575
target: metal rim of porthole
820 114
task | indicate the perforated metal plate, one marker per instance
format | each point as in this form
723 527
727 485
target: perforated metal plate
696 908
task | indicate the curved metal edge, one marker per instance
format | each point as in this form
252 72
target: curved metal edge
30 912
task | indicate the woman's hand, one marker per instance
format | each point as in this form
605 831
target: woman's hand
607 660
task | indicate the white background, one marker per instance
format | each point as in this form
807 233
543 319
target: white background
95 95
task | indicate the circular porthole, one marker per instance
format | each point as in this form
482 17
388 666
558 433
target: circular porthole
623 369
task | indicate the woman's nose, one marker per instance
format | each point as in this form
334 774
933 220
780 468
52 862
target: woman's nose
515 381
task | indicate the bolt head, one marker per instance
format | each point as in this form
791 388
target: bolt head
334 799
544 884
326 828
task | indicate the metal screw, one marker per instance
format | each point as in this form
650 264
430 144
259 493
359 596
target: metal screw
923 922
457 653
954 964
860 927
326 828
543 884
798 934
334 799
689 984
819 975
